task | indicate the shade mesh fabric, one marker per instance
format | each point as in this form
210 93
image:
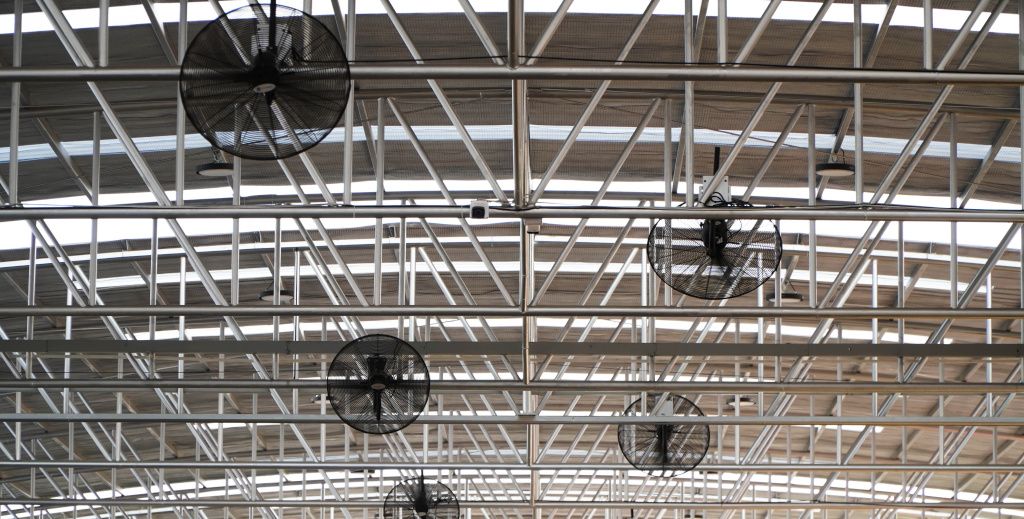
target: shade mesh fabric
714 258
417 498
231 62
664 449
378 384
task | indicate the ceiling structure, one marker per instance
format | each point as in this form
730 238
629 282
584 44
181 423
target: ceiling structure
888 390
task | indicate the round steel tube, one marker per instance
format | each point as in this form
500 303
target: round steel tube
690 505
298 419
819 213
468 386
293 465
568 73
510 311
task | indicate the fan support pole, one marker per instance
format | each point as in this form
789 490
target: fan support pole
521 199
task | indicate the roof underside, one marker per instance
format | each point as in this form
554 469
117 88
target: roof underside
478 264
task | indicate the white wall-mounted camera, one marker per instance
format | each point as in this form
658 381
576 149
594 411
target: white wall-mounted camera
479 209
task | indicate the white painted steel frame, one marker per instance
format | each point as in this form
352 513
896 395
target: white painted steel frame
773 415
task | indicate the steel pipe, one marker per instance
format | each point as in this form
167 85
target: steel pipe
310 419
210 346
513 311
573 73
474 386
872 104
489 504
296 465
866 214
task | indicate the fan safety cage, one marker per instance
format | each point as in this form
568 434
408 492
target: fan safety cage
264 83
378 384
419 499
664 449
714 258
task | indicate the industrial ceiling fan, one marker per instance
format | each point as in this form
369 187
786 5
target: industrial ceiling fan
664 449
378 384
416 498
715 258
264 83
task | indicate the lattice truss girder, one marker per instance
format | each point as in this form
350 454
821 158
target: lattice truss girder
985 115
644 160
469 453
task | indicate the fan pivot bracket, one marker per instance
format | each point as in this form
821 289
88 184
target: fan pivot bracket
263 88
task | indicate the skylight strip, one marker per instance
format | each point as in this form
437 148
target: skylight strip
850 330
539 132
71 232
495 240
477 267
788 10
77 231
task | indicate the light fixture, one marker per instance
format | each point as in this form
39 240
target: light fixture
267 295
217 168
787 295
833 169
742 401
837 168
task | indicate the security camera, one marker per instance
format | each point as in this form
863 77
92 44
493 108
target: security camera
479 209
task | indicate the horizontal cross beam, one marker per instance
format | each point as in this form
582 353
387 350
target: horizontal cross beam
573 73
883 421
820 213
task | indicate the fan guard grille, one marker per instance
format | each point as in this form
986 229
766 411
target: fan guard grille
438 500
664 449
714 258
231 63
378 384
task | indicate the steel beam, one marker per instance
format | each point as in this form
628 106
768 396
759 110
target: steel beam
717 421
547 505
268 465
79 346
512 311
597 386
574 73
876 213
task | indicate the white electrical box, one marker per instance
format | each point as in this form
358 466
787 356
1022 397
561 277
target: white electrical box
722 189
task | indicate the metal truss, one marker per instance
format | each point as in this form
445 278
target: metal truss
532 363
